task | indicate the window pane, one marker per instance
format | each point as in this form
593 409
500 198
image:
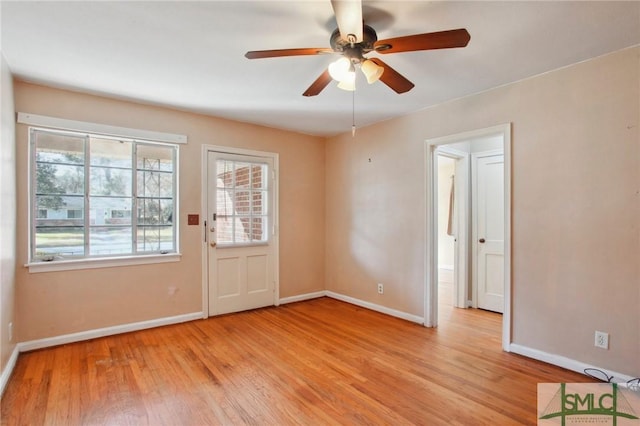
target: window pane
258 229
155 184
75 213
110 152
101 209
259 202
54 209
224 170
243 203
59 241
59 148
155 211
154 157
110 181
258 172
155 238
243 175
63 162
224 202
224 229
59 179
110 240
242 230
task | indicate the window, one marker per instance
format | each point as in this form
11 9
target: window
241 207
74 214
108 177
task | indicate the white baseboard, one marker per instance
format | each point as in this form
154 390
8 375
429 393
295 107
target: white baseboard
564 362
107 331
8 369
303 297
377 308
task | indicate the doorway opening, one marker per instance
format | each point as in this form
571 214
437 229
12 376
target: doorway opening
468 225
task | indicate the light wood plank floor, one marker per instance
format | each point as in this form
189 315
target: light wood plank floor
313 363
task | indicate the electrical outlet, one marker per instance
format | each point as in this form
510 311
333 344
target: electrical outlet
602 340
380 288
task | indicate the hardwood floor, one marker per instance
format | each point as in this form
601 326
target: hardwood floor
313 363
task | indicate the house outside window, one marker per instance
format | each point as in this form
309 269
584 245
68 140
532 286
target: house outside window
109 178
74 214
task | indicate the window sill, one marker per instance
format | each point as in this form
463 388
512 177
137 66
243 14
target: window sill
69 265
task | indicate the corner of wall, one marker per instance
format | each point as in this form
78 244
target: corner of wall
8 351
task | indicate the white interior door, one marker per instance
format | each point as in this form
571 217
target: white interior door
241 237
489 174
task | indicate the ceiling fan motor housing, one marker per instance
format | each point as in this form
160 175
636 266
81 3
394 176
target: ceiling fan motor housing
354 51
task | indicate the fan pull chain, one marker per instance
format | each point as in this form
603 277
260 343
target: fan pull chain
353 113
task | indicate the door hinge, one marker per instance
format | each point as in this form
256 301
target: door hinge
205 231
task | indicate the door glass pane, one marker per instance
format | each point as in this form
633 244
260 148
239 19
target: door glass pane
243 175
258 172
241 202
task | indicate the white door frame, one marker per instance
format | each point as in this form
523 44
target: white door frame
431 285
461 263
204 224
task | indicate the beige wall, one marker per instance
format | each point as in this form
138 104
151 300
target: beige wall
575 207
57 303
7 212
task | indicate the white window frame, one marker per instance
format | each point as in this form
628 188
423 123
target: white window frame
100 130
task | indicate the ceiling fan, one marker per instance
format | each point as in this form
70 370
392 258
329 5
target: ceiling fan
353 40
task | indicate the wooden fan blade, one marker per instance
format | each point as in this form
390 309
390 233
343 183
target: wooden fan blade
259 54
393 78
318 85
349 17
427 41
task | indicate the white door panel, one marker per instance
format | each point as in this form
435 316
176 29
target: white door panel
489 174
242 258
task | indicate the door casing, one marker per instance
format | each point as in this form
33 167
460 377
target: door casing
431 228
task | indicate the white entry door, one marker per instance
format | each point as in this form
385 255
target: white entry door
241 237
489 235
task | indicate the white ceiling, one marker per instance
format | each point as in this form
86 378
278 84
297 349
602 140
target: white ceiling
190 55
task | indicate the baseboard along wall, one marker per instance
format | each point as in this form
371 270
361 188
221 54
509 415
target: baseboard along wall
557 360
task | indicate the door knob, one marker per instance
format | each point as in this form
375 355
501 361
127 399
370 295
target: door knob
213 243
481 240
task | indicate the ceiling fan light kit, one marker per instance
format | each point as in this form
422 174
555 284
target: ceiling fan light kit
371 71
347 85
353 40
340 69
